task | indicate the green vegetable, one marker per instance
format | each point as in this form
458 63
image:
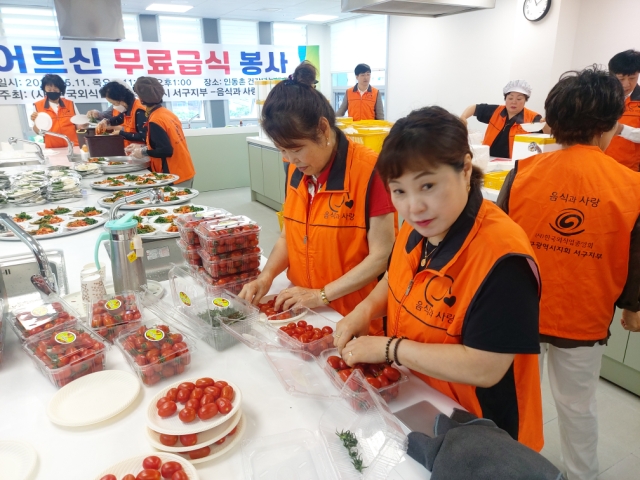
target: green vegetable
23 216
162 220
131 178
168 189
173 198
61 210
350 442
137 218
188 191
215 317
145 228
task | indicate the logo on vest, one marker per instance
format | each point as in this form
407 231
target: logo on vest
439 289
336 202
568 222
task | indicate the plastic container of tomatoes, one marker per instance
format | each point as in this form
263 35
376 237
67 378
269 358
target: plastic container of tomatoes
187 223
37 316
66 352
386 384
156 352
190 253
228 234
231 263
307 330
233 283
381 443
113 315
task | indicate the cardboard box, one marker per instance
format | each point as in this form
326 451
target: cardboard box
533 143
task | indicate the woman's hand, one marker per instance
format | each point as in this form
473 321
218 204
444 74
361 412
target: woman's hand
356 324
630 321
33 116
136 150
365 349
101 127
299 297
254 291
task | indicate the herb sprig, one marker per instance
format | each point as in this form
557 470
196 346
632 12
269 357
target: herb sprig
350 442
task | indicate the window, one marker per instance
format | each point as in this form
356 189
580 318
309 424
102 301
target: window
238 32
189 110
179 29
293 34
240 108
28 22
371 48
131 28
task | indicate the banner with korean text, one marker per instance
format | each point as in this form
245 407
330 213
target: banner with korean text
188 72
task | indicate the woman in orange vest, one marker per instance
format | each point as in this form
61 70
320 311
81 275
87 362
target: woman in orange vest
504 120
165 141
59 109
461 290
130 114
363 101
338 218
581 211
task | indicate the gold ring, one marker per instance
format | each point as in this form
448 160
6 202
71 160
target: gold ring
350 354
336 336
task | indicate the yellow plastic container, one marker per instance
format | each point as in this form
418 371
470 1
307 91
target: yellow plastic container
495 180
280 219
372 123
373 141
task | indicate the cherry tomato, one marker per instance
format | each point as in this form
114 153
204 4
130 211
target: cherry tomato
232 431
208 411
180 475
344 374
189 440
227 392
384 381
109 477
193 403
200 453
186 385
167 409
374 382
129 476
172 394
327 329
197 393
215 391
152 463
301 323
141 360
148 474
168 371
220 384
205 382
187 415
183 395
221 441
342 365
169 468
161 401
168 440
224 405
392 374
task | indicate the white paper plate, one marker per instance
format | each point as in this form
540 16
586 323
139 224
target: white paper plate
219 450
100 220
93 398
147 204
43 121
204 438
80 119
18 460
174 426
133 465
73 210
533 127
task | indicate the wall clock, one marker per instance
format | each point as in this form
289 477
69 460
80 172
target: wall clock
535 10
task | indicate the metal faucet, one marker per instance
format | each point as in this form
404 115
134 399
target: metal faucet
155 194
59 135
46 281
39 152
189 121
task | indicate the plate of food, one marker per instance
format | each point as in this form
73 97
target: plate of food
44 231
53 211
84 223
181 196
86 212
23 217
146 230
185 209
151 212
48 220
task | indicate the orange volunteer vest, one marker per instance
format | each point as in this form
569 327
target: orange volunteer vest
622 150
61 122
328 237
498 122
180 162
129 123
578 207
431 306
362 107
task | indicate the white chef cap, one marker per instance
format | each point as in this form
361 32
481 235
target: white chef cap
519 86
123 83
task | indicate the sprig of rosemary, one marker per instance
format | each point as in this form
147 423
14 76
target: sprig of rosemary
350 442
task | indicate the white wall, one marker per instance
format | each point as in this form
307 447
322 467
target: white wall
321 35
10 123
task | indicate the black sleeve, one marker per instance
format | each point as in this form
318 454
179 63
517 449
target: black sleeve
505 192
141 129
503 317
630 296
159 141
537 118
116 120
485 111
134 137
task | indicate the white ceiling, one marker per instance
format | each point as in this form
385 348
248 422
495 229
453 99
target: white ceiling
236 9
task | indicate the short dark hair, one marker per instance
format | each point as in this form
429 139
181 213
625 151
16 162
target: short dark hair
526 97
362 68
294 108
428 137
118 92
55 81
625 63
584 104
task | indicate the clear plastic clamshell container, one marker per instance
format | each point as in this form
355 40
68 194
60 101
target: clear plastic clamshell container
228 234
301 337
232 283
321 455
187 223
66 352
112 315
209 308
40 315
231 263
190 253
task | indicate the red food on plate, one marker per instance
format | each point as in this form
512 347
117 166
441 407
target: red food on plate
168 440
189 440
152 463
199 453
169 468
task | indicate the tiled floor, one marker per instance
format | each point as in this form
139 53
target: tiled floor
618 410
